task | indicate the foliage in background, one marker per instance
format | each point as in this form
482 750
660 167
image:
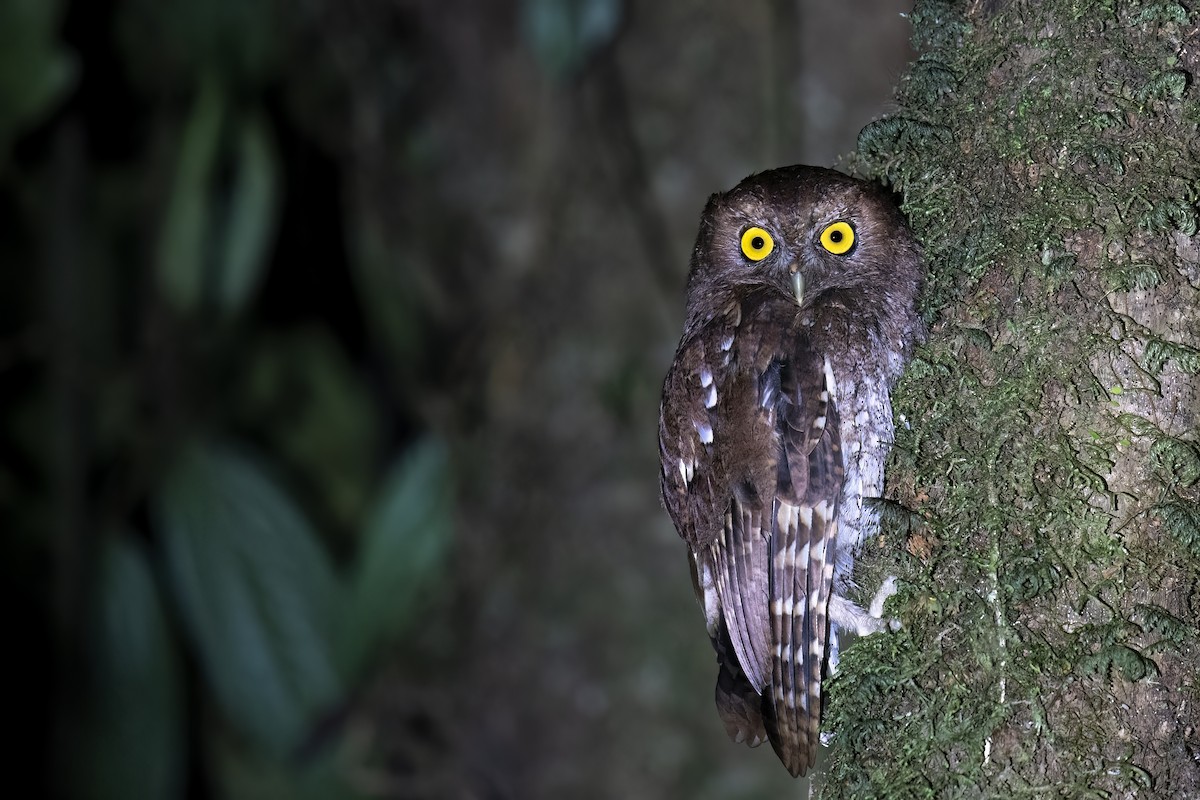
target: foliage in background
236 525
1047 153
564 34
35 70
257 597
212 249
134 729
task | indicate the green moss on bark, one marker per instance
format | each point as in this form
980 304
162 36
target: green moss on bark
1049 160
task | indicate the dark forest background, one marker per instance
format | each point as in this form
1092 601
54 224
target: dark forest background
331 335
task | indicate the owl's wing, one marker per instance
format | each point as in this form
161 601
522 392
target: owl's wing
751 475
713 421
740 559
738 702
802 553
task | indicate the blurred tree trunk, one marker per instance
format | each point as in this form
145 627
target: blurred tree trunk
1049 159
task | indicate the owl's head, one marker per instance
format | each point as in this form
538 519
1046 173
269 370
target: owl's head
803 231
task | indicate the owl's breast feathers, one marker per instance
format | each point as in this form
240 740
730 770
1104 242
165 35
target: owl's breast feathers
752 474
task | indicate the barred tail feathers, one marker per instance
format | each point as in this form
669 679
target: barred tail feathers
801 580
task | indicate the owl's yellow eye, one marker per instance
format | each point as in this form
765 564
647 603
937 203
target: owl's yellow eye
757 244
838 238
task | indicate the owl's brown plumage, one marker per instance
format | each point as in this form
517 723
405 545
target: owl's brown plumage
775 422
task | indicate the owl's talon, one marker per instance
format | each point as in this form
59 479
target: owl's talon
886 590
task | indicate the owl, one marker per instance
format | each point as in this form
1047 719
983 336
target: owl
774 426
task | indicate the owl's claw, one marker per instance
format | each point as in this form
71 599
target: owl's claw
862 622
886 590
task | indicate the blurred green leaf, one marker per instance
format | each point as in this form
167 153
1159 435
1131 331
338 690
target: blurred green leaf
257 594
172 43
214 246
388 286
404 546
564 34
34 71
239 773
133 740
181 246
253 212
312 406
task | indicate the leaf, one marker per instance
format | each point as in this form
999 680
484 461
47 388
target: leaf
564 34
252 216
165 44
404 546
133 737
257 594
241 773
1177 462
181 245
213 248
389 285
35 73
1117 659
304 397
1182 519
1159 352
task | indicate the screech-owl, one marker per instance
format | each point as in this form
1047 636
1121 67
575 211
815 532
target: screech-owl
775 422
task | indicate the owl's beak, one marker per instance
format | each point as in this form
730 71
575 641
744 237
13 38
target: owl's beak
798 283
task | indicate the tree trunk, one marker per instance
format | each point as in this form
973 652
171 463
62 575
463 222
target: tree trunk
1044 504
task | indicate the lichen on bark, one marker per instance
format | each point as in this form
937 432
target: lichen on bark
1044 503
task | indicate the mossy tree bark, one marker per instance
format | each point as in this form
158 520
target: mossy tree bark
1044 508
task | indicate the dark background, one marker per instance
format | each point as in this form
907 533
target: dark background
355 313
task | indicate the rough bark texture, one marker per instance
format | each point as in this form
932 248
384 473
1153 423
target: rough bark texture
1044 506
